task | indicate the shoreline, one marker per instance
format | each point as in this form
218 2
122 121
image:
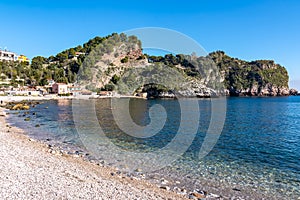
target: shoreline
220 190
30 170
6 99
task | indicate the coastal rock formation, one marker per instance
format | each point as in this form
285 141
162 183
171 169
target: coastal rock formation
255 78
294 92
196 89
218 74
23 105
18 106
109 60
101 62
255 90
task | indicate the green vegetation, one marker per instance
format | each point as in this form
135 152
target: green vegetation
155 87
125 59
63 67
115 79
111 46
17 73
241 75
238 74
72 64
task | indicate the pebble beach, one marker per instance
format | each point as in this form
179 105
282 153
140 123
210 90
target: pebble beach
32 168
28 170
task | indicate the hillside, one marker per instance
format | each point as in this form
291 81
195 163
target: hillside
104 63
239 77
255 78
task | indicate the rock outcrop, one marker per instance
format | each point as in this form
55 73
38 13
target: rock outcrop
294 92
206 76
256 78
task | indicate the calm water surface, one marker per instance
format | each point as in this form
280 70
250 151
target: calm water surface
259 146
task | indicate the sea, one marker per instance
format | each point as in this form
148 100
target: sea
236 147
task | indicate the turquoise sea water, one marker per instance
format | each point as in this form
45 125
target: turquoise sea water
259 147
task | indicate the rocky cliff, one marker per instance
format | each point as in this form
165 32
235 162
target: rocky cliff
237 77
255 78
207 76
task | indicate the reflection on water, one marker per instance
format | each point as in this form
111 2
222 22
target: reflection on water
259 146
140 115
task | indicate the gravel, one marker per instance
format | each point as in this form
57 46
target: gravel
29 171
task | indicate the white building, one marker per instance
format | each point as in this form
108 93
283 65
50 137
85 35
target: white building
60 88
8 56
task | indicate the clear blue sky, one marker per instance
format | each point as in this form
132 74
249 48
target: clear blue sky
247 29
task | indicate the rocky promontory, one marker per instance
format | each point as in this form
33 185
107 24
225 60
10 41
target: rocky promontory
102 62
255 78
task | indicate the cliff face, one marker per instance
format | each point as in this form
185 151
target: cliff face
237 77
256 78
109 60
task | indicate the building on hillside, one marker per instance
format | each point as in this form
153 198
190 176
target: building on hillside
48 87
23 58
79 53
11 56
8 56
50 82
105 93
60 88
74 89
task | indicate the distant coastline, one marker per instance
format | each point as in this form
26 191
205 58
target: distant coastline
7 99
110 64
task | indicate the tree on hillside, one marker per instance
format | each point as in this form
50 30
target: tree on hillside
72 53
61 57
37 62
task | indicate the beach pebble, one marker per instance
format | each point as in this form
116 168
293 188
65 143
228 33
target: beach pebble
198 195
192 197
184 190
143 176
134 178
236 189
118 172
180 191
27 119
165 187
138 170
201 192
211 195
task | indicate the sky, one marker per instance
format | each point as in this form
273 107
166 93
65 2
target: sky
245 29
